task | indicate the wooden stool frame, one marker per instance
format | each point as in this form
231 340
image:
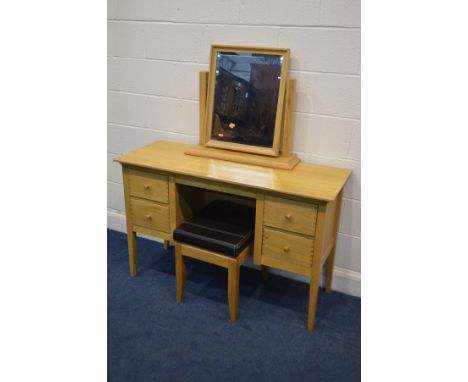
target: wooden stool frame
232 264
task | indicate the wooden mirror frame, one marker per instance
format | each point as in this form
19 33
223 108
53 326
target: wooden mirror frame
208 120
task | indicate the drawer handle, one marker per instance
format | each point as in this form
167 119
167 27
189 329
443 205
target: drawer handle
146 187
288 216
148 217
286 249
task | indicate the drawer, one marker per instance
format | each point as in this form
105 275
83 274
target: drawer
150 215
286 248
290 215
149 185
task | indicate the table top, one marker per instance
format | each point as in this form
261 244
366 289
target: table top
306 180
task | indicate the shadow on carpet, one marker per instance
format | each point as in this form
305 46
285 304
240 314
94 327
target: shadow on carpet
152 338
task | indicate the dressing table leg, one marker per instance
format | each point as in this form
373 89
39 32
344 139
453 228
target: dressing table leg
180 273
330 264
132 253
166 245
131 235
264 272
313 295
331 256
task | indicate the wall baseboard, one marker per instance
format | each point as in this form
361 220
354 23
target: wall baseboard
344 280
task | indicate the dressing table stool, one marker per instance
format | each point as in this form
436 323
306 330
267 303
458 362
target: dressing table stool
221 234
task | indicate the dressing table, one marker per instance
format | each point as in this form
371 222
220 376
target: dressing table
297 211
244 156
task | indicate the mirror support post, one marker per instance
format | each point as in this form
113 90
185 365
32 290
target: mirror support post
288 123
203 91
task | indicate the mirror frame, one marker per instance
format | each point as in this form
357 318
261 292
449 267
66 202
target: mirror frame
271 151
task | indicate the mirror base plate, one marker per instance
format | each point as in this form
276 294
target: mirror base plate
281 162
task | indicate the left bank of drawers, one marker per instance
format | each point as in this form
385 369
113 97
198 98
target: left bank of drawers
149 198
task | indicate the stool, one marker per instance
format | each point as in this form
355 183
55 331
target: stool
220 234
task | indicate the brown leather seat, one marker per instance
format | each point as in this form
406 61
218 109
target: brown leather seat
222 227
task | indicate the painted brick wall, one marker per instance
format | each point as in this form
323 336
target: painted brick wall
157 48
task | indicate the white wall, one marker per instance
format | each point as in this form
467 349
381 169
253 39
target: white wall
157 48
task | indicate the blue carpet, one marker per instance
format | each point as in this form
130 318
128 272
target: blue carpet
152 338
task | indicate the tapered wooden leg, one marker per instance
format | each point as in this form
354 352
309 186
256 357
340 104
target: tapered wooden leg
132 253
330 264
264 272
331 256
233 289
313 295
166 245
180 273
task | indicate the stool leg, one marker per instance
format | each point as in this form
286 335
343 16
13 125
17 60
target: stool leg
233 289
180 273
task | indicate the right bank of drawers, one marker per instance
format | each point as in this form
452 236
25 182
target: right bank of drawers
288 234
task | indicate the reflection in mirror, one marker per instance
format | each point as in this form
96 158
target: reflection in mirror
246 98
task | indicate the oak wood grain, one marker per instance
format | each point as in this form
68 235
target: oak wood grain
290 215
148 185
149 214
306 180
287 247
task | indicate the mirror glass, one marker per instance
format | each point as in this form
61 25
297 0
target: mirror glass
246 98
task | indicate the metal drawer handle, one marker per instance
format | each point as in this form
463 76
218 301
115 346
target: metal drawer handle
148 216
288 216
286 249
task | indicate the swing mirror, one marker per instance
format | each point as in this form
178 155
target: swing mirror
246 90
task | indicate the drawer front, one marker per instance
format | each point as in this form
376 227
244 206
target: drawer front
287 248
150 215
290 215
149 186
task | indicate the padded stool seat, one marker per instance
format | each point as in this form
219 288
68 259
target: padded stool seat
220 234
221 227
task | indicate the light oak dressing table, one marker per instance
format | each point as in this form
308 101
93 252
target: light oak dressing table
297 211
